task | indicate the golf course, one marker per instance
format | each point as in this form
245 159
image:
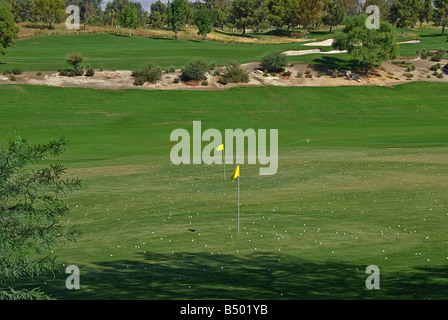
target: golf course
362 173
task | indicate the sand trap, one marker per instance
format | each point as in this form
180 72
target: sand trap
325 43
311 51
410 41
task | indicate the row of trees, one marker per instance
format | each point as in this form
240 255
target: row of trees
241 14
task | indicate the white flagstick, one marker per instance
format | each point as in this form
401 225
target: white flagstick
224 163
238 205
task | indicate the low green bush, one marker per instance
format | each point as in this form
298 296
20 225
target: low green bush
234 73
274 62
195 70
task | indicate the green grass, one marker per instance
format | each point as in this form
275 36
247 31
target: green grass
115 51
370 189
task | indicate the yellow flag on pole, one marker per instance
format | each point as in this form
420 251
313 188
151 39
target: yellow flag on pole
220 148
236 173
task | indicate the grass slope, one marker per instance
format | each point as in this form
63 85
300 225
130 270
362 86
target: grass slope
369 190
121 52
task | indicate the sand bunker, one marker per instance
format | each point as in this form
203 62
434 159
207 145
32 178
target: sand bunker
311 51
325 43
409 41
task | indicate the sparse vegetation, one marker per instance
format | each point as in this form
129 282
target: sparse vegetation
147 74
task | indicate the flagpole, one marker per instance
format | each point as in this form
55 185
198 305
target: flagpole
238 205
224 163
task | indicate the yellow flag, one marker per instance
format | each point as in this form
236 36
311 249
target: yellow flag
236 173
219 148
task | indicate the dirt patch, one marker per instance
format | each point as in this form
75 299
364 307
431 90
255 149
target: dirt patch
389 74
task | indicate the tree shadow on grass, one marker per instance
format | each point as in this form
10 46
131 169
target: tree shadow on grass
338 63
238 277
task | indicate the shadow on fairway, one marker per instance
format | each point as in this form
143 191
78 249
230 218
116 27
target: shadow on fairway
337 63
257 276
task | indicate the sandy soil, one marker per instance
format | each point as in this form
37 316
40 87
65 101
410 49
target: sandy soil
388 74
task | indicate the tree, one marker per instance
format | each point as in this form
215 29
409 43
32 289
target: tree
50 11
176 15
74 59
203 22
370 46
277 13
221 9
8 29
156 19
128 17
111 13
424 11
441 14
310 12
23 10
31 207
158 6
403 13
334 13
88 13
246 13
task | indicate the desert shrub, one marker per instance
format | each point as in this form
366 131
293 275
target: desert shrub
435 74
63 72
273 74
90 72
12 78
170 69
438 55
308 75
204 83
423 53
217 72
320 74
212 65
234 73
299 75
148 74
408 75
39 73
222 80
412 68
286 73
274 61
195 70
6 72
16 71
265 74
435 67
139 81
74 59
78 72
176 80
334 74
440 75
307 71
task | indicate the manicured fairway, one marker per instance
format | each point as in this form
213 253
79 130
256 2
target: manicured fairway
115 51
369 190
